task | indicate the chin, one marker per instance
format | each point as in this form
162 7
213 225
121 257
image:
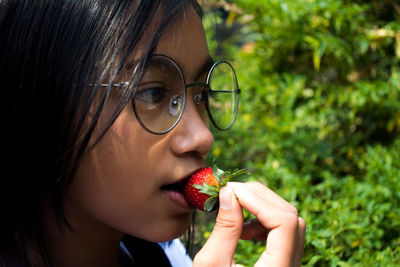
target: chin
166 231
162 238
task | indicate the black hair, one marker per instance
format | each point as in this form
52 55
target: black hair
54 54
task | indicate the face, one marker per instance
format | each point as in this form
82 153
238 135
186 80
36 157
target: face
122 184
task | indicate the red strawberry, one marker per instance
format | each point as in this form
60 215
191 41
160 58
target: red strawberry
202 189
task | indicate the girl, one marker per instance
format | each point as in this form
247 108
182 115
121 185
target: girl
106 108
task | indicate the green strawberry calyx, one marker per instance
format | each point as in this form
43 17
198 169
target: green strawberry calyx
222 177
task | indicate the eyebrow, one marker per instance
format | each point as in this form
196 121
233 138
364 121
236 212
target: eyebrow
205 67
131 65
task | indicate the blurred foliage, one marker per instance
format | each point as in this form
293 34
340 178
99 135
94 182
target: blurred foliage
319 119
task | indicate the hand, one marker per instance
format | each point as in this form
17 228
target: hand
276 221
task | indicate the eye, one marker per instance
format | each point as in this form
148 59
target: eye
151 94
175 105
199 98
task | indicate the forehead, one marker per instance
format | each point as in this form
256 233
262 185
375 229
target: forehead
185 42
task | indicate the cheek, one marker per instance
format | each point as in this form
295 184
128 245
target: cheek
117 185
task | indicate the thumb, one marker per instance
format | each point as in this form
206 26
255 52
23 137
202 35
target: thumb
220 247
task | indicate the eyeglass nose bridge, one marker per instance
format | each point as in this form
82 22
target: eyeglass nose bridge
203 99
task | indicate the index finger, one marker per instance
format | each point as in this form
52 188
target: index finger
266 194
283 240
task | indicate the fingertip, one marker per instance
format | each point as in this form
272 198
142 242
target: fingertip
226 196
239 189
233 185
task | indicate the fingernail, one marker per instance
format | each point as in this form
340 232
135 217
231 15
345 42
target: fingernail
225 198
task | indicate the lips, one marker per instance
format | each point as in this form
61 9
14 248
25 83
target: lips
174 192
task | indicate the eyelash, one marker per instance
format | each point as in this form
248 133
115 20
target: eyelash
148 94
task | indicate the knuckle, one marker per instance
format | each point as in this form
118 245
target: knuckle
251 185
225 223
302 224
292 220
293 210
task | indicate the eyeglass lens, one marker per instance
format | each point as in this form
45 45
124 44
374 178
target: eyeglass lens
161 96
223 98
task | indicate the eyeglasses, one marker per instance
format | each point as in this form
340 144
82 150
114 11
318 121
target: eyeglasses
161 97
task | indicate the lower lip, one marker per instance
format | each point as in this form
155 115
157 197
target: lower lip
178 199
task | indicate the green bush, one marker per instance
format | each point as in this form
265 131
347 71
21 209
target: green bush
319 119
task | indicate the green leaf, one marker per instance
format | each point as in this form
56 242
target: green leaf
210 203
218 173
207 189
237 173
327 142
198 186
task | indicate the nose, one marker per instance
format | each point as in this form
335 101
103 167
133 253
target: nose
192 134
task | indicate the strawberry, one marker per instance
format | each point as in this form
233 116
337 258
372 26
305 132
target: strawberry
202 189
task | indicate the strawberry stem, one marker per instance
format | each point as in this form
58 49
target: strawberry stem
223 177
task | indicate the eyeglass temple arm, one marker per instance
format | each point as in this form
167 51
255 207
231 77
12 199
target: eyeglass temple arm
122 85
238 91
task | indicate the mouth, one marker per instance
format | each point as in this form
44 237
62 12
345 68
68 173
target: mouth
174 191
178 185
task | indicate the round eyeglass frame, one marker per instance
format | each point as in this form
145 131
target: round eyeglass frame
204 96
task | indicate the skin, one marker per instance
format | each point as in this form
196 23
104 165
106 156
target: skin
277 223
117 188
